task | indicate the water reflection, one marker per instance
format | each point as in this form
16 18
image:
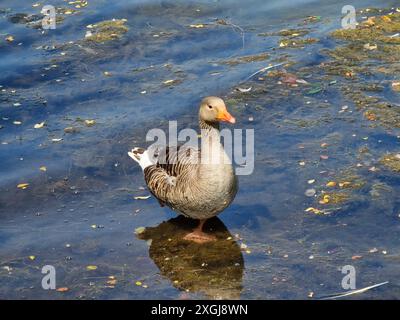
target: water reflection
214 269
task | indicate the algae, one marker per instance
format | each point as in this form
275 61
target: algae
391 161
107 30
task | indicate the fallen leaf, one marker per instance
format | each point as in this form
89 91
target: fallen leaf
197 26
32 258
169 81
356 257
326 198
43 168
310 192
141 197
344 184
39 125
22 186
63 289
90 123
314 210
138 283
368 46
315 90
10 38
331 184
244 89
396 86
90 268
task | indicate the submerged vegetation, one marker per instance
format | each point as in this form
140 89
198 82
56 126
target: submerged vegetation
106 30
391 162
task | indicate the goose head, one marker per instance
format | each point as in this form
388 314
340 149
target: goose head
213 109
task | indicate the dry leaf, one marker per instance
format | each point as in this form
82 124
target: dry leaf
90 123
63 289
90 268
197 26
39 125
22 186
141 197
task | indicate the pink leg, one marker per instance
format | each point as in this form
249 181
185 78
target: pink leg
198 235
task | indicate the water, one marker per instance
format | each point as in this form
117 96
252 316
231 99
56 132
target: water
81 210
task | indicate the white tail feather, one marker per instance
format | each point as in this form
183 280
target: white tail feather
142 158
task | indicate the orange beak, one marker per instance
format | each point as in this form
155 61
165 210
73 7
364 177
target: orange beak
226 116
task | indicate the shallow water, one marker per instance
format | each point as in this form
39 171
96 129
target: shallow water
81 211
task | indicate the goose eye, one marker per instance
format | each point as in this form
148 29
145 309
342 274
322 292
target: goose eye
209 107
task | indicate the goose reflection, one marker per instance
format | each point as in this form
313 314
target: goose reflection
214 269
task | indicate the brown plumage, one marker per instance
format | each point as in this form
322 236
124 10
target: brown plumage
196 183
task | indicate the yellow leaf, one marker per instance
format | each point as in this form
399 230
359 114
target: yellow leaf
141 197
43 168
32 257
344 184
138 283
23 186
90 268
10 38
331 184
197 26
169 81
314 210
63 289
39 125
90 123
325 199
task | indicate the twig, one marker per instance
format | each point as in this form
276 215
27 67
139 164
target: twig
264 69
223 22
340 295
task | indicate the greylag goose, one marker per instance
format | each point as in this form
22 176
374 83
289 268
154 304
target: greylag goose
198 184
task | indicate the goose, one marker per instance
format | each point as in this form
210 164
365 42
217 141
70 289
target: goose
197 183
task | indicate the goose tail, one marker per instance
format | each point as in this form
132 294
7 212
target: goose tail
141 156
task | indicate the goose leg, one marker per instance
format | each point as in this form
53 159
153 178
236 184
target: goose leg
198 235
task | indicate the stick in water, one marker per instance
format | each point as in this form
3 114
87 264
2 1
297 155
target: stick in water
340 295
